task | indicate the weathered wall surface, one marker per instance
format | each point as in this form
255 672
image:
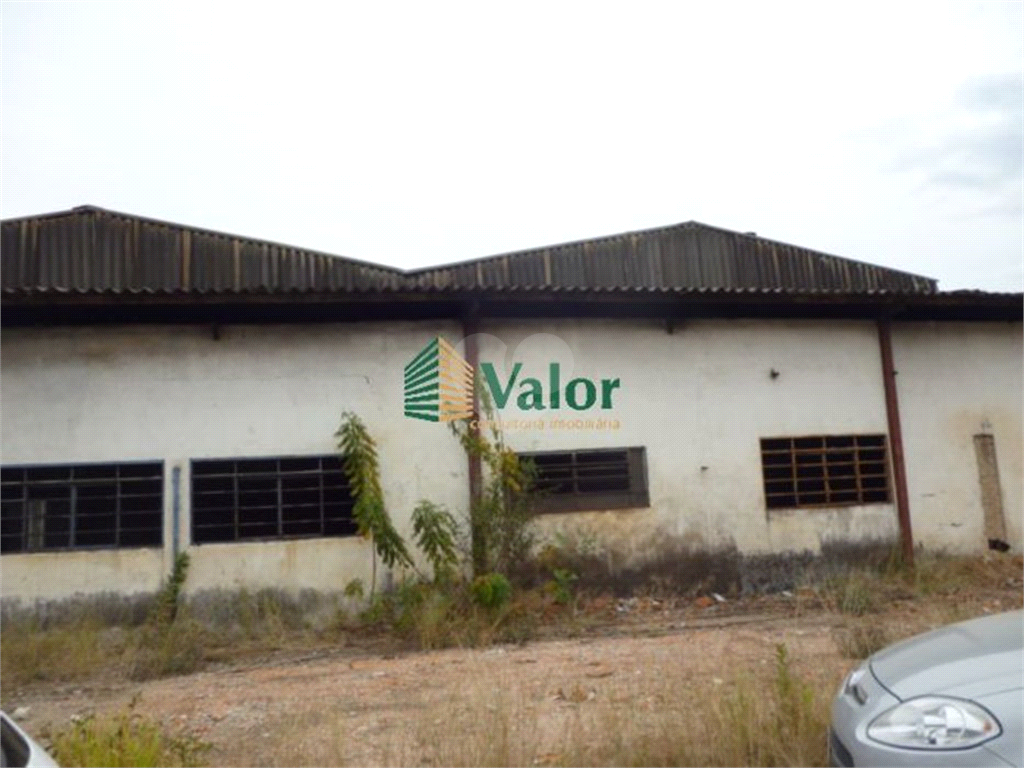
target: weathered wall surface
43 576
698 399
176 393
955 381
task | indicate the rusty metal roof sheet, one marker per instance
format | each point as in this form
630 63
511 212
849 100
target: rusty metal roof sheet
684 257
93 250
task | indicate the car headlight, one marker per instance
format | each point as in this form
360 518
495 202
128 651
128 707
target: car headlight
935 722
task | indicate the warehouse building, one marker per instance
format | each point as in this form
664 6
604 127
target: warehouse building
681 390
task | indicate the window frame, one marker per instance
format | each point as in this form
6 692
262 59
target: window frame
279 475
864 494
31 507
638 495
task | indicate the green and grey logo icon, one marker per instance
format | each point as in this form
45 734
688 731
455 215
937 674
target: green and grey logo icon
438 384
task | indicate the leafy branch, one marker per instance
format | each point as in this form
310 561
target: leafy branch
362 467
436 531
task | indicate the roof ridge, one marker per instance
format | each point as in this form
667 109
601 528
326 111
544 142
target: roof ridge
552 246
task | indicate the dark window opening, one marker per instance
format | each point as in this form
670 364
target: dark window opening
81 506
827 471
570 481
240 499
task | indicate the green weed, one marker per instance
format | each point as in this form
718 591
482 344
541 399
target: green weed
126 739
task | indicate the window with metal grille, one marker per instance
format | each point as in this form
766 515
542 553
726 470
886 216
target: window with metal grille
239 499
606 478
81 506
826 471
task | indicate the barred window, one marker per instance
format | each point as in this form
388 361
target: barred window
81 506
267 498
833 470
606 478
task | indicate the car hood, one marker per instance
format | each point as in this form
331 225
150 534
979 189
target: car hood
971 659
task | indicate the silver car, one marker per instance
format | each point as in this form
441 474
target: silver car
951 697
18 750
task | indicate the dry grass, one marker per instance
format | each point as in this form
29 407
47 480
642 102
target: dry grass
68 652
764 716
862 591
304 738
855 593
755 718
433 616
768 714
947 588
885 606
182 647
85 649
862 639
938 574
80 645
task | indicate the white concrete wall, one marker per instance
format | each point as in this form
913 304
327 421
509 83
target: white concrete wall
956 380
699 400
176 393
54 575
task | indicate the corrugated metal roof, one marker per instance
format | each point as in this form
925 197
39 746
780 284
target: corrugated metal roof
92 250
684 257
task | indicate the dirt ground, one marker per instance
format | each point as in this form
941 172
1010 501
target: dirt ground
352 705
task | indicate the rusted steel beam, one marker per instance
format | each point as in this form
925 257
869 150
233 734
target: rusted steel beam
892 413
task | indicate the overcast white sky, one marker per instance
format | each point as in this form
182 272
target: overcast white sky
420 133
